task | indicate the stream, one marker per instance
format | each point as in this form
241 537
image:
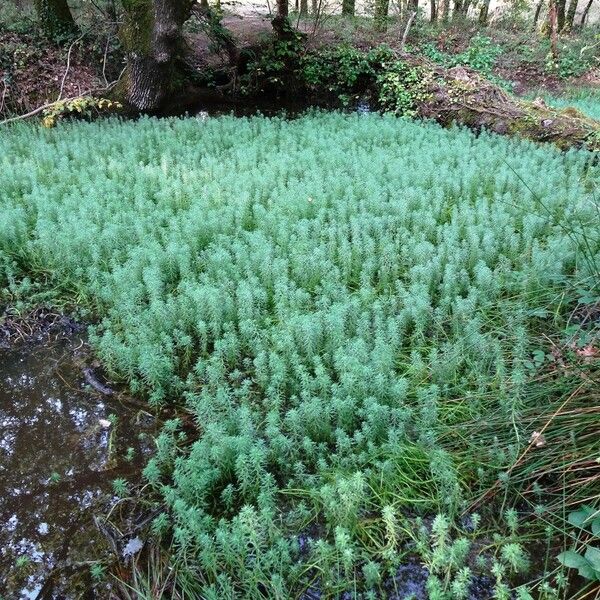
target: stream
62 443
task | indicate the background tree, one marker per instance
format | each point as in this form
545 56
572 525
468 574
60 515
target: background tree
56 19
553 28
484 12
560 14
443 10
570 17
381 13
348 7
282 9
536 14
586 12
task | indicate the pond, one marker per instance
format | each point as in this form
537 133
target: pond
64 438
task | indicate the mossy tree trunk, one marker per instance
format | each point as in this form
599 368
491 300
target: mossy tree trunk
56 19
281 24
348 7
484 12
151 37
382 8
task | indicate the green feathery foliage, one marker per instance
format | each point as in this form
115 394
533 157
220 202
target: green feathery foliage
586 101
332 299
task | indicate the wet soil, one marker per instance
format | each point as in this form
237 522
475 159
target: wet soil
62 444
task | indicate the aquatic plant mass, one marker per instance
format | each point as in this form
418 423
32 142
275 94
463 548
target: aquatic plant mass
369 334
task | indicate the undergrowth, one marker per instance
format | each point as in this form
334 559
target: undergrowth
379 336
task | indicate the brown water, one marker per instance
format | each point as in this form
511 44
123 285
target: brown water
61 445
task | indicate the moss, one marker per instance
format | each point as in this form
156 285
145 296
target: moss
571 111
136 31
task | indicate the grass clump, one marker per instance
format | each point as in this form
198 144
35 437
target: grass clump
346 306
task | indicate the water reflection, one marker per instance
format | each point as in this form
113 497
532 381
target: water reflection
61 445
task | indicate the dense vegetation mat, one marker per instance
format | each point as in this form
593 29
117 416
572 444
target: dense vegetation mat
346 310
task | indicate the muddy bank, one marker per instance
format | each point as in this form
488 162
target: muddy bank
64 440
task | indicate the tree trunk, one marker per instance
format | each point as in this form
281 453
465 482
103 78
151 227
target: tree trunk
414 5
586 12
282 9
538 10
303 7
433 11
560 14
553 28
281 24
443 10
315 7
151 37
570 18
55 18
484 13
348 7
381 14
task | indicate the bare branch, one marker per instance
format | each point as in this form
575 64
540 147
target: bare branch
40 109
408 26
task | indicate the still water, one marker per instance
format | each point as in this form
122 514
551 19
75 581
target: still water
62 443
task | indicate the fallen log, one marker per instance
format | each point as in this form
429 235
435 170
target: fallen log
462 96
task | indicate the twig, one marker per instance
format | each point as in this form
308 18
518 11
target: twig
62 84
31 113
318 16
408 26
39 109
3 95
104 60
